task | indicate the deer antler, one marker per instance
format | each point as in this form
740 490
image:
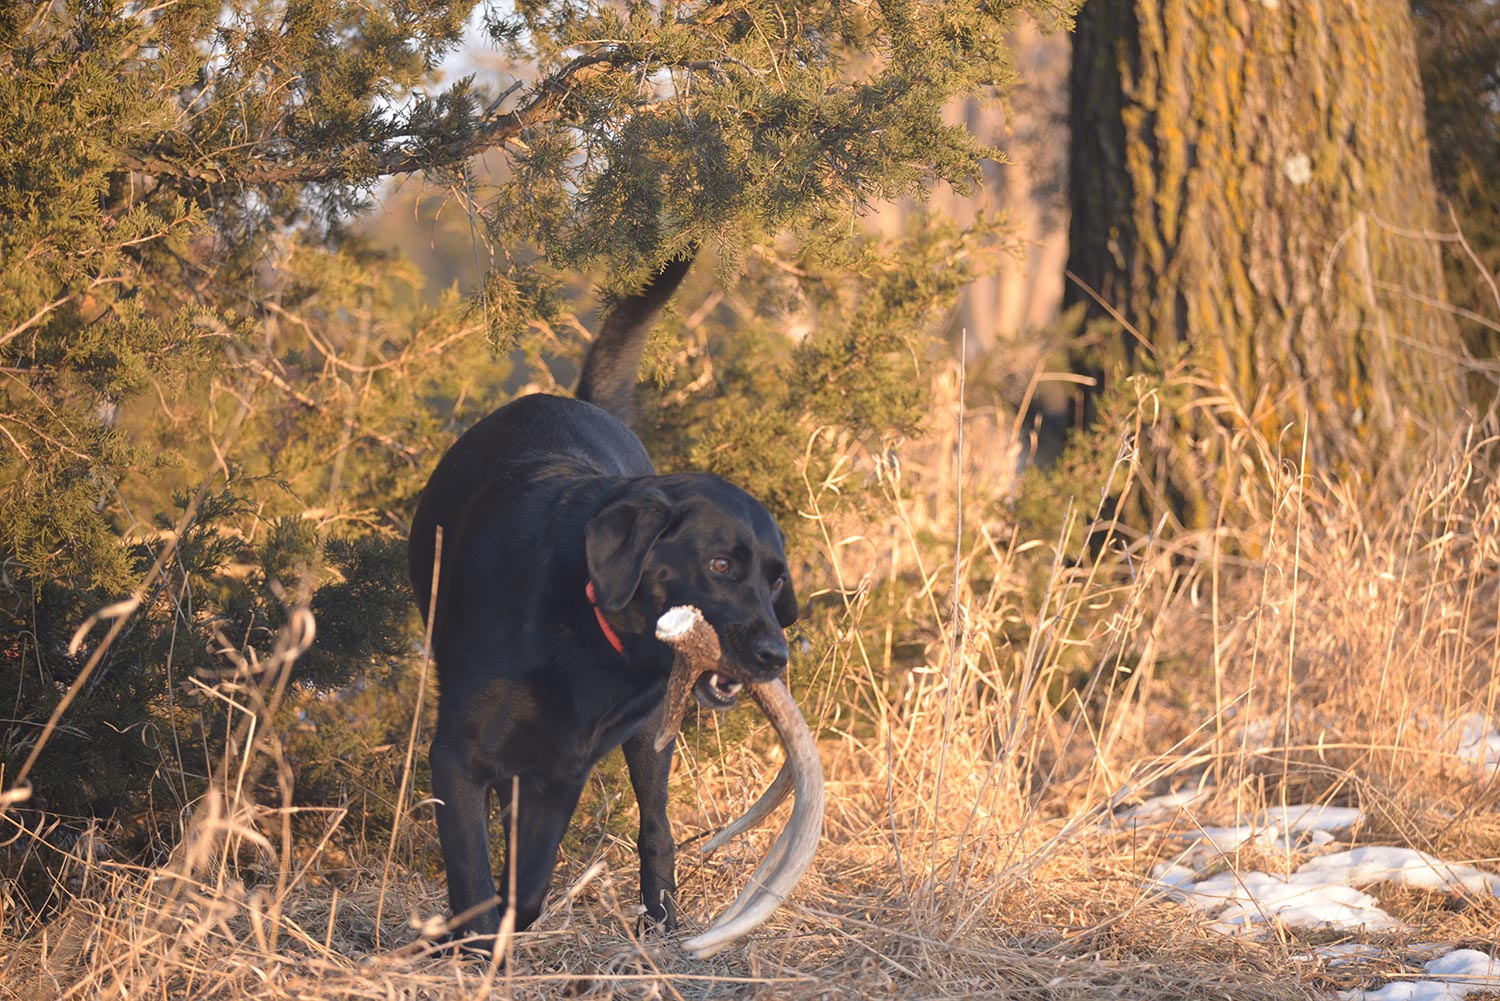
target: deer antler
697 652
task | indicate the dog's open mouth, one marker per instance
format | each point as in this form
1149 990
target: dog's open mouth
717 691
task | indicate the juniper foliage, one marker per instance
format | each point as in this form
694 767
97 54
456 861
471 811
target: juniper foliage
218 392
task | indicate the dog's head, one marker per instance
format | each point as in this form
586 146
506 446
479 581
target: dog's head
698 540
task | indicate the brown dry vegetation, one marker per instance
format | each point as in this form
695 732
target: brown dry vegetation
1311 655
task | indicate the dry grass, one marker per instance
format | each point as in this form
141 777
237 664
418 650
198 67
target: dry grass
1315 657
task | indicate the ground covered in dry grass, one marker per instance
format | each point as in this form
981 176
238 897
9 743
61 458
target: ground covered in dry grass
986 759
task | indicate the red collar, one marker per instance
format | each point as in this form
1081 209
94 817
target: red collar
609 634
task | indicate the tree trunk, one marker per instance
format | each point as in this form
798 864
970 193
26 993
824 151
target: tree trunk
1250 184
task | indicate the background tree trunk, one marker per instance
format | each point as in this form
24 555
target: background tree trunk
1249 183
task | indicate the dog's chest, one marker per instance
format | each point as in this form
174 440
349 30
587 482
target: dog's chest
535 726
616 711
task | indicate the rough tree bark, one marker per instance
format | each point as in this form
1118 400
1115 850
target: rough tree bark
1249 184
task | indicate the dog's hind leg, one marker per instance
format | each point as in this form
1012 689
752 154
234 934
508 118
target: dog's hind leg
649 769
463 830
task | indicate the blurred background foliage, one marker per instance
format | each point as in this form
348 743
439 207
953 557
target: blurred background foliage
261 262
1459 54
224 376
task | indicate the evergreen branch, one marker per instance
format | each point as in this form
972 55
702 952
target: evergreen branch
265 372
36 318
379 158
401 361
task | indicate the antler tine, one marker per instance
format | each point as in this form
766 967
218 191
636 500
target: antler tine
769 800
792 854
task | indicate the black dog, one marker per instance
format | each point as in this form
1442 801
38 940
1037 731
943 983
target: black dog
561 548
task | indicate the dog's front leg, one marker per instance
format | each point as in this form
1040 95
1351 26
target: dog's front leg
649 770
542 811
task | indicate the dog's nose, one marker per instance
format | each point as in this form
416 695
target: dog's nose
769 653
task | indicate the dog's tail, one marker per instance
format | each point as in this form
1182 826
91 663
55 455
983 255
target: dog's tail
614 359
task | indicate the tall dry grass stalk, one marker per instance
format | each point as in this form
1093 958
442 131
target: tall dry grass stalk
986 701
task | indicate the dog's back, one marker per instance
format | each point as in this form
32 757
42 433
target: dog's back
506 453
588 433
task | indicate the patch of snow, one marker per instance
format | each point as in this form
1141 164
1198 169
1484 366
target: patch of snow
1479 742
1344 953
1170 876
1242 902
1271 830
1378 864
1311 818
1162 807
1323 892
1327 891
1224 840
1298 168
1458 974
1347 953
1282 829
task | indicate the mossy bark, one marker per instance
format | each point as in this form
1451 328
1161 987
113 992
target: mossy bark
1249 182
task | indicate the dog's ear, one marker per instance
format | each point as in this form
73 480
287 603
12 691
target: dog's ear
785 604
617 542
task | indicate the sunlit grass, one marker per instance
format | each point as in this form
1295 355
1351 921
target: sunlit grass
986 702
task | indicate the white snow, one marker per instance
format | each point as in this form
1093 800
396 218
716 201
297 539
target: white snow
1171 876
1459 973
1343 953
1322 892
1479 742
1162 807
1242 901
1282 829
1327 891
1225 840
1308 818
1297 167
1379 864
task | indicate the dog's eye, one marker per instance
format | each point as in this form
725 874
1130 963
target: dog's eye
719 565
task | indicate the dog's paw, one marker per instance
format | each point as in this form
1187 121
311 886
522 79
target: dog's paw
472 946
658 920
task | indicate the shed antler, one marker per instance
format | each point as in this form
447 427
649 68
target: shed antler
697 652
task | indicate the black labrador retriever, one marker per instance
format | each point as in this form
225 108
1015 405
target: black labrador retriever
560 549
